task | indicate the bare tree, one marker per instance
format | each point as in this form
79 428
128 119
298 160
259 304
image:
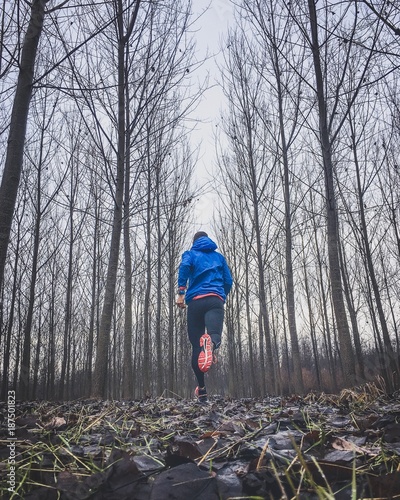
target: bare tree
19 117
251 174
331 209
275 59
100 371
38 165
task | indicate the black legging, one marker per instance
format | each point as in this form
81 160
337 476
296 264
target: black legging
204 314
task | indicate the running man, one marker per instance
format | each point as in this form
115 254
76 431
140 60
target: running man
204 281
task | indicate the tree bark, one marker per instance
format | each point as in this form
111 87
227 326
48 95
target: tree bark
16 139
390 367
65 382
290 298
312 328
101 365
16 284
346 348
127 372
94 315
24 380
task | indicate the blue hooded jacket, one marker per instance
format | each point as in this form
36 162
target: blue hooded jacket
205 269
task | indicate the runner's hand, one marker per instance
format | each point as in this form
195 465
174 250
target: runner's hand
180 301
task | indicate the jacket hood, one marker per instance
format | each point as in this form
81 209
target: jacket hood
204 244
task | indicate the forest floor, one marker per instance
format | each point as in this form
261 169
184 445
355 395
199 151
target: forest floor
321 446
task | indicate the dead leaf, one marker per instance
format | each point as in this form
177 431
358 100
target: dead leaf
71 487
212 434
56 423
186 448
312 437
332 472
342 444
392 433
386 486
233 426
185 482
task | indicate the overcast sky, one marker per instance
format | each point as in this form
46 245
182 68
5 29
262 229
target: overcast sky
212 27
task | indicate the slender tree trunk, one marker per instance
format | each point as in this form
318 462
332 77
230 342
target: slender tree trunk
101 365
101 369
146 305
264 324
391 306
275 345
234 334
389 362
255 382
353 319
52 347
171 370
290 298
312 328
254 378
16 139
72 387
18 348
127 372
346 348
115 380
239 362
67 319
94 295
261 353
287 385
393 219
232 329
158 327
26 350
36 365
6 361
326 330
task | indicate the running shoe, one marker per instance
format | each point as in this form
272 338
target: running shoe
201 394
206 354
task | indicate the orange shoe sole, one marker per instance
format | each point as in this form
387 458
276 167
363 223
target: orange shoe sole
206 355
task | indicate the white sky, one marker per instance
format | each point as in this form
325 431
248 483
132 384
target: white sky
212 28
